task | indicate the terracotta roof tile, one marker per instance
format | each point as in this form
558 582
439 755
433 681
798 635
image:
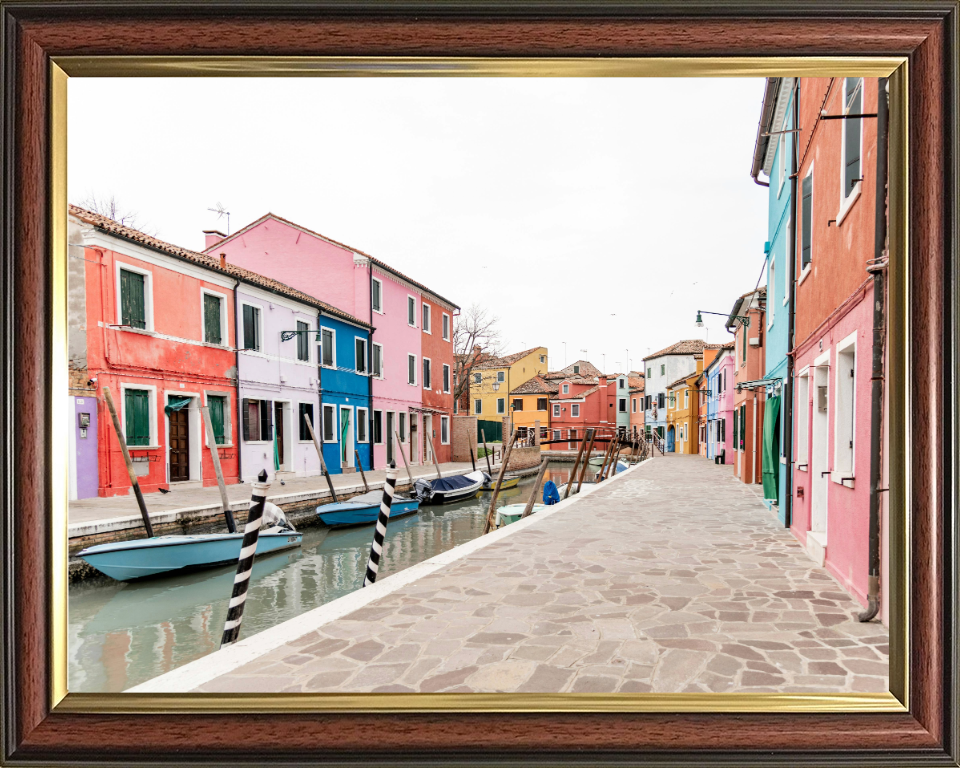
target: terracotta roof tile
506 361
681 380
207 262
536 386
686 347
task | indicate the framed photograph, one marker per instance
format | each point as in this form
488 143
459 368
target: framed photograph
715 550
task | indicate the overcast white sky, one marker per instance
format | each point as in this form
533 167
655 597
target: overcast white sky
598 212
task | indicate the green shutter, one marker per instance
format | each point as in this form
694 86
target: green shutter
132 302
216 405
211 319
137 416
736 414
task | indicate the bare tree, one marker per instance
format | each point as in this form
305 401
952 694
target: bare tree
476 338
109 207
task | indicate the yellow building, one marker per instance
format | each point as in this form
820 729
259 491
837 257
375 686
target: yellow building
683 411
493 379
530 403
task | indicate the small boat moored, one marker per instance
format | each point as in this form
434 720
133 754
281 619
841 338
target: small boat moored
510 513
508 482
447 489
364 509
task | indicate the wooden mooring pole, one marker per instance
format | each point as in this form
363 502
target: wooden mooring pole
433 455
576 464
215 454
404 458
129 462
491 512
323 464
366 488
527 510
586 460
486 452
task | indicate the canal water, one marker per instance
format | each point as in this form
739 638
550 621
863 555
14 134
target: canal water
122 634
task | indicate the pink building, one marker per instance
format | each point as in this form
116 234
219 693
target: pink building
720 394
368 289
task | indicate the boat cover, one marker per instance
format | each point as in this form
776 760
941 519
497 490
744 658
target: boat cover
454 483
550 493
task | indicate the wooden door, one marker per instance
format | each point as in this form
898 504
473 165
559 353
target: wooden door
278 426
179 445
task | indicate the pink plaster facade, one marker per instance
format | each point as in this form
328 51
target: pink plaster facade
720 410
343 277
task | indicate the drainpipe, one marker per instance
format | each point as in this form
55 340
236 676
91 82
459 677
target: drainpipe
877 267
370 347
318 416
791 313
236 349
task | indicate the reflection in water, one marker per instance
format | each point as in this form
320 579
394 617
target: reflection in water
122 634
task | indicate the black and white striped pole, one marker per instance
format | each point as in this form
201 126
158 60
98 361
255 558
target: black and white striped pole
248 550
380 533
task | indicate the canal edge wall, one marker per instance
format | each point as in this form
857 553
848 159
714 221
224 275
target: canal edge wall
196 673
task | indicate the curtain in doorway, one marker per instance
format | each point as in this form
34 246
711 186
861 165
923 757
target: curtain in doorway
771 449
176 403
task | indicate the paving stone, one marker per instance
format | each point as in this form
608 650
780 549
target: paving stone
595 684
546 679
502 676
446 680
365 651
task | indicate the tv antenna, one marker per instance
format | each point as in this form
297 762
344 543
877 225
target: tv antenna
221 212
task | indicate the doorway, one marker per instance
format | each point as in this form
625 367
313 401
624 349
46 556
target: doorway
390 456
179 445
278 429
346 438
414 436
427 436
819 468
670 439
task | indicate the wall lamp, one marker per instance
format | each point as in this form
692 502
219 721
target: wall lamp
744 320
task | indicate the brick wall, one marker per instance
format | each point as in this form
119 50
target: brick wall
464 436
524 458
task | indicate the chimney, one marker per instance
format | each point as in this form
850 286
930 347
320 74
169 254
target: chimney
223 260
603 399
211 238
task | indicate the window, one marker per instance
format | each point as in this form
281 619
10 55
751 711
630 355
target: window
328 348
663 369
376 295
446 327
378 427
649 373
329 424
576 369
444 430
566 389
661 400
251 327
543 358
803 416
377 364
771 290
426 373
743 343
477 378
303 341
575 410
478 406
360 354
133 299
623 405
402 423
556 411
786 265
723 430
257 419
363 417
781 160
136 416
212 319
844 433
306 409
501 405
743 425
634 404
411 311
217 407
412 369
686 398
852 105
673 400
426 318
556 434
621 384
500 376
446 378
806 220
518 403
541 403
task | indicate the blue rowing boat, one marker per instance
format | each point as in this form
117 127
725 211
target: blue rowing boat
140 558
364 509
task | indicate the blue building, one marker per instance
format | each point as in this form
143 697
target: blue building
345 419
774 157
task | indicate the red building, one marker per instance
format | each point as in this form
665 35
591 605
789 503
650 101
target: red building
159 332
436 349
581 403
749 363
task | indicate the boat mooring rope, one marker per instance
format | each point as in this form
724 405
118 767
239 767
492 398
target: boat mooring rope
376 550
248 550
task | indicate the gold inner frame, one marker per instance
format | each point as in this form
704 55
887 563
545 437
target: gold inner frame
892 67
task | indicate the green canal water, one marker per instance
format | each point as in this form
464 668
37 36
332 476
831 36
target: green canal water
122 634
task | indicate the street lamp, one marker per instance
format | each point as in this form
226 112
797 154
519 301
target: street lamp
743 320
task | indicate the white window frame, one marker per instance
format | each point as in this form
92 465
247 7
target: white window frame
847 199
575 410
566 389
622 404
803 419
686 398
147 296
446 377
427 385
634 404
444 427
333 346
152 404
227 417
556 410
260 334
478 378
224 326
335 421
556 434
383 426
380 347
425 315
501 406
415 372
366 355
477 406
379 282
445 326
365 420
308 321
850 384
501 377
412 304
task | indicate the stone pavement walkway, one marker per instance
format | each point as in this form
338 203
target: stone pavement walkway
676 578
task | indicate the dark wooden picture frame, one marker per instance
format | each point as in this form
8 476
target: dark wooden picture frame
34 34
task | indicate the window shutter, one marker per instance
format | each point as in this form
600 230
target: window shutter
137 412
216 419
132 302
245 411
806 213
303 340
736 413
266 420
211 319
